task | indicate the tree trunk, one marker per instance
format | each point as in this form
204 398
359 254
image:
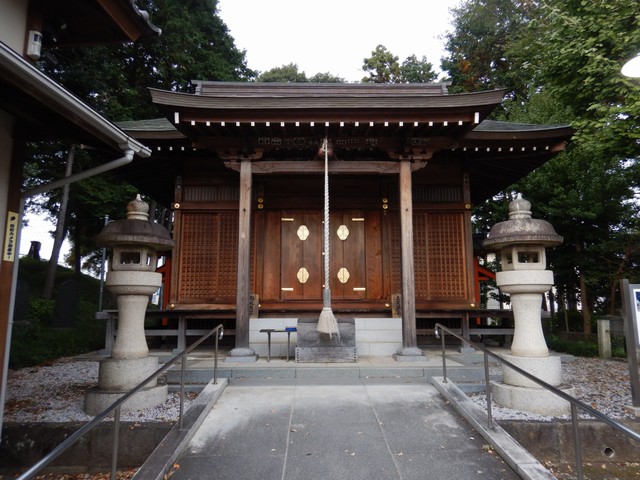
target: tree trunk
584 299
60 230
77 259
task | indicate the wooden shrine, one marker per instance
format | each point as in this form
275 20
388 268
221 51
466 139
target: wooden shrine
239 164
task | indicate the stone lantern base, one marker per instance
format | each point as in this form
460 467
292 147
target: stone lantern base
519 393
116 377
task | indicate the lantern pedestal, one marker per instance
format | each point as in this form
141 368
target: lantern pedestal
117 377
133 279
522 241
519 393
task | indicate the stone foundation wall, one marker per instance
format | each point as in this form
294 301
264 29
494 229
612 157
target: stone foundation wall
376 337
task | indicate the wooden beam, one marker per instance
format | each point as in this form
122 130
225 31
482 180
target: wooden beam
409 336
244 257
317 166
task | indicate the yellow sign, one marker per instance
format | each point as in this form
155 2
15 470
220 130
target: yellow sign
10 246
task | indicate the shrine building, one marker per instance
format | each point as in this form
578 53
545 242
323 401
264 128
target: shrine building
242 167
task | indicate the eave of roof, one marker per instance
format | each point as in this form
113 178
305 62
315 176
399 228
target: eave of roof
289 89
389 100
54 100
487 132
69 23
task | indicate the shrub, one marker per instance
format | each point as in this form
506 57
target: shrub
36 341
577 348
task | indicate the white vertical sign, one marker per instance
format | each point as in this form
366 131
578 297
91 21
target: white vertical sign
10 247
635 311
630 314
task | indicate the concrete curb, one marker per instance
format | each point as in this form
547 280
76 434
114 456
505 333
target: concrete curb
514 454
172 446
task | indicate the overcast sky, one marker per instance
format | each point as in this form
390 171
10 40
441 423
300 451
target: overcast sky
335 36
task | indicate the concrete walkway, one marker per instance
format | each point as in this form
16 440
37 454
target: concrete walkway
339 428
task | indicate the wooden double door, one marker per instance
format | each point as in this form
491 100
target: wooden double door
300 259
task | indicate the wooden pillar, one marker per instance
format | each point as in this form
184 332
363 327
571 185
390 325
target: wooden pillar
409 350
242 351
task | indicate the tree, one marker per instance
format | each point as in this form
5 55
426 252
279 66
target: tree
291 74
284 74
382 66
476 46
413 70
114 80
575 50
326 78
560 60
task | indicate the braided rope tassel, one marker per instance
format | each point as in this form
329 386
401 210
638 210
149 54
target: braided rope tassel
327 322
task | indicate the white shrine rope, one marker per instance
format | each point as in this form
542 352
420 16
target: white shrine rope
327 301
327 322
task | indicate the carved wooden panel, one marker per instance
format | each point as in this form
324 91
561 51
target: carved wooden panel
210 193
209 257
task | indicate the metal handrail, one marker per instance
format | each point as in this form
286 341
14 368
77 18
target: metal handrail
575 403
115 407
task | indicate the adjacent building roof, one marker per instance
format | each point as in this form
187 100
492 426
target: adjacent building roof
46 110
66 23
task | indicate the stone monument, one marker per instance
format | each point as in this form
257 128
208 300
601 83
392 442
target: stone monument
522 241
132 277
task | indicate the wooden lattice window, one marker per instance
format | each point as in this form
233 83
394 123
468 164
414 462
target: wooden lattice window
208 257
439 247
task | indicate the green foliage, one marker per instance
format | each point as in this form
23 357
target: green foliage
383 67
284 74
579 348
326 78
482 30
36 341
413 70
575 49
114 79
291 74
560 63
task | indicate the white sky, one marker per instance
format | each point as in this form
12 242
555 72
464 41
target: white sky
40 229
335 36
332 36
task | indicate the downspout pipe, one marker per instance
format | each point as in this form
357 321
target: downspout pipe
105 167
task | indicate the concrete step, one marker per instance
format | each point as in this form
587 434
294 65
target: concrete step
201 372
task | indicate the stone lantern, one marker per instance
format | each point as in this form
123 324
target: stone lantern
522 242
132 277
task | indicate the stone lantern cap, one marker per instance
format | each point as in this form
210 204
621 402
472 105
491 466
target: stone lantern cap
521 229
135 230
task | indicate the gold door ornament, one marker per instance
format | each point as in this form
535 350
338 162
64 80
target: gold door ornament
303 232
303 275
343 275
343 232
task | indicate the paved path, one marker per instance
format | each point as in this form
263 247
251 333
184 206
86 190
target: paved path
369 429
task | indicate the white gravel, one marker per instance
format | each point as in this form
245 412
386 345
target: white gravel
602 384
55 393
